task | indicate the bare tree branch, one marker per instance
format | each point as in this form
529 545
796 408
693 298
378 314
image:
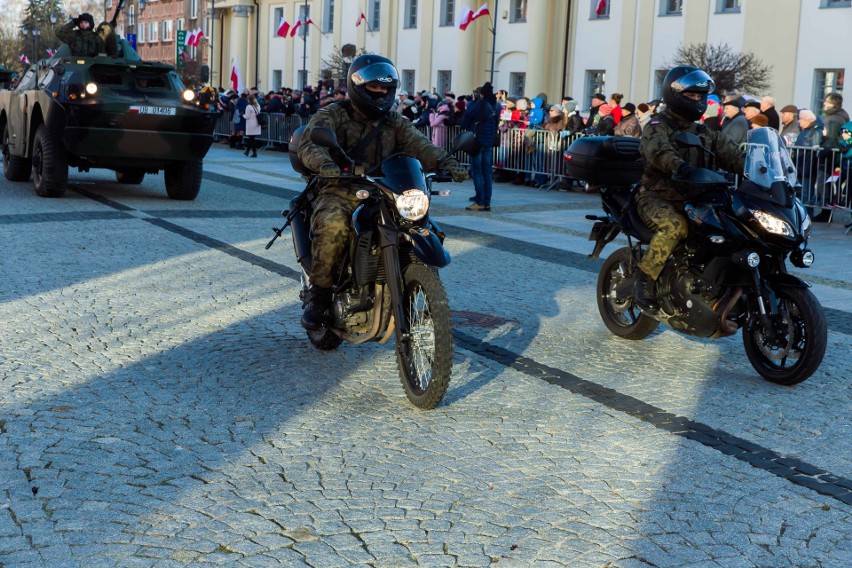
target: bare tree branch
733 72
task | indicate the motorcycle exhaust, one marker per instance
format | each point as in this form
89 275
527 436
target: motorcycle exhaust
726 326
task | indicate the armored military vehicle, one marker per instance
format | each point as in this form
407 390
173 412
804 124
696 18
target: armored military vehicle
107 111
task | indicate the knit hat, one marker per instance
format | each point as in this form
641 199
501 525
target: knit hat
630 107
486 90
643 107
599 96
790 108
733 101
569 106
752 104
556 108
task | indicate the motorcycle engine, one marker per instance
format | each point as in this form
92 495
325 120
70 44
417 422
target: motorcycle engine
688 299
354 323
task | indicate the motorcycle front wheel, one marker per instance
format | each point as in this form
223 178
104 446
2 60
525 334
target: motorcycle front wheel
791 350
620 314
426 359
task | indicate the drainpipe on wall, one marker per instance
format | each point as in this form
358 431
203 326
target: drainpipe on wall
257 45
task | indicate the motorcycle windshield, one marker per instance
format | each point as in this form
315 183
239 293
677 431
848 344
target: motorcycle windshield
768 167
401 173
767 159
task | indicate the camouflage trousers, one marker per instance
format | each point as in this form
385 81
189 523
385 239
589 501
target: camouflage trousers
667 219
331 223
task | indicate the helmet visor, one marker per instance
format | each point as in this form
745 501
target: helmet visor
696 82
380 72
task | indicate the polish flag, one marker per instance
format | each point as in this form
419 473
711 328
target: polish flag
601 9
464 16
295 28
24 59
50 52
236 80
199 33
361 18
283 28
482 11
190 38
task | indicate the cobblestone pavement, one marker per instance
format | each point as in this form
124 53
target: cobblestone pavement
161 406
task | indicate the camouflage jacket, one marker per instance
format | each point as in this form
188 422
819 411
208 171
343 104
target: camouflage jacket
663 157
350 126
84 43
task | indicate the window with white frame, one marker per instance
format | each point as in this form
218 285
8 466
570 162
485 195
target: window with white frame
303 79
153 32
835 3
518 11
168 26
595 83
826 81
140 35
728 6
374 14
517 84
131 15
448 13
277 16
445 81
277 79
328 16
599 9
410 14
671 7
193 9
180 24
408 80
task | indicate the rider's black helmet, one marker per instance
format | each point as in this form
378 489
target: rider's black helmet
375 69
682 79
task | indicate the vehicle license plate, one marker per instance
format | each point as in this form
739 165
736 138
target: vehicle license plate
164 111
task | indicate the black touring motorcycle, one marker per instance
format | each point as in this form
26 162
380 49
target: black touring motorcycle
387 281
730 273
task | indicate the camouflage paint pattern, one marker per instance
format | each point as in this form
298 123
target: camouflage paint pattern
331 223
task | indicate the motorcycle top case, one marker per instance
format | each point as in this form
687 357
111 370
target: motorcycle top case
604 160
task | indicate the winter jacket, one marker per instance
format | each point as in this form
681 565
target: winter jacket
736 128
480 117
250 115
629 126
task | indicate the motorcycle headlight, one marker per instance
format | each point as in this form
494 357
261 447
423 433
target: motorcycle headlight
412 204
773 224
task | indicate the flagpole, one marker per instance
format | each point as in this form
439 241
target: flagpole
493 39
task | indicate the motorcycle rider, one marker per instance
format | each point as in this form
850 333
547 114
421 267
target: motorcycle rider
369 132
660 199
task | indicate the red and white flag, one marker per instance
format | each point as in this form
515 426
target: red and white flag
601 9
295 28
361 18
482 11
50 52
283 28
24 59
190 38
464 16
199 33
236 80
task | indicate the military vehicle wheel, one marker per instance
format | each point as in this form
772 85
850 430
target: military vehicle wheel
183 180
130 177
15 168
50 164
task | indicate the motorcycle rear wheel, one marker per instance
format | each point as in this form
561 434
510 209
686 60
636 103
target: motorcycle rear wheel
800 324
621 315
425 361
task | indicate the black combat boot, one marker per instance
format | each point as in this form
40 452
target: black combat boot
643 292
316 314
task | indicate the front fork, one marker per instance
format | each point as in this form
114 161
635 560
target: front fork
389 243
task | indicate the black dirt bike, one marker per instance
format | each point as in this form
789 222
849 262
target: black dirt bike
730 273
387 280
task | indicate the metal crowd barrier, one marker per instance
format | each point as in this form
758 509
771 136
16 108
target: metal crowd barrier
536 157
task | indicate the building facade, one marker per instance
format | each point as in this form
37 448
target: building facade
571 47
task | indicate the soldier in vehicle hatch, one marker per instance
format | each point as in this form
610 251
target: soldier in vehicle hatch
83 41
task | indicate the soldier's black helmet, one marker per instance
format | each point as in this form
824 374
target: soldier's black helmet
682 79
376 69
86 17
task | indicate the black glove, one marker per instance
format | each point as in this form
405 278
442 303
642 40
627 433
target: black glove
685 170
329 169
457 171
